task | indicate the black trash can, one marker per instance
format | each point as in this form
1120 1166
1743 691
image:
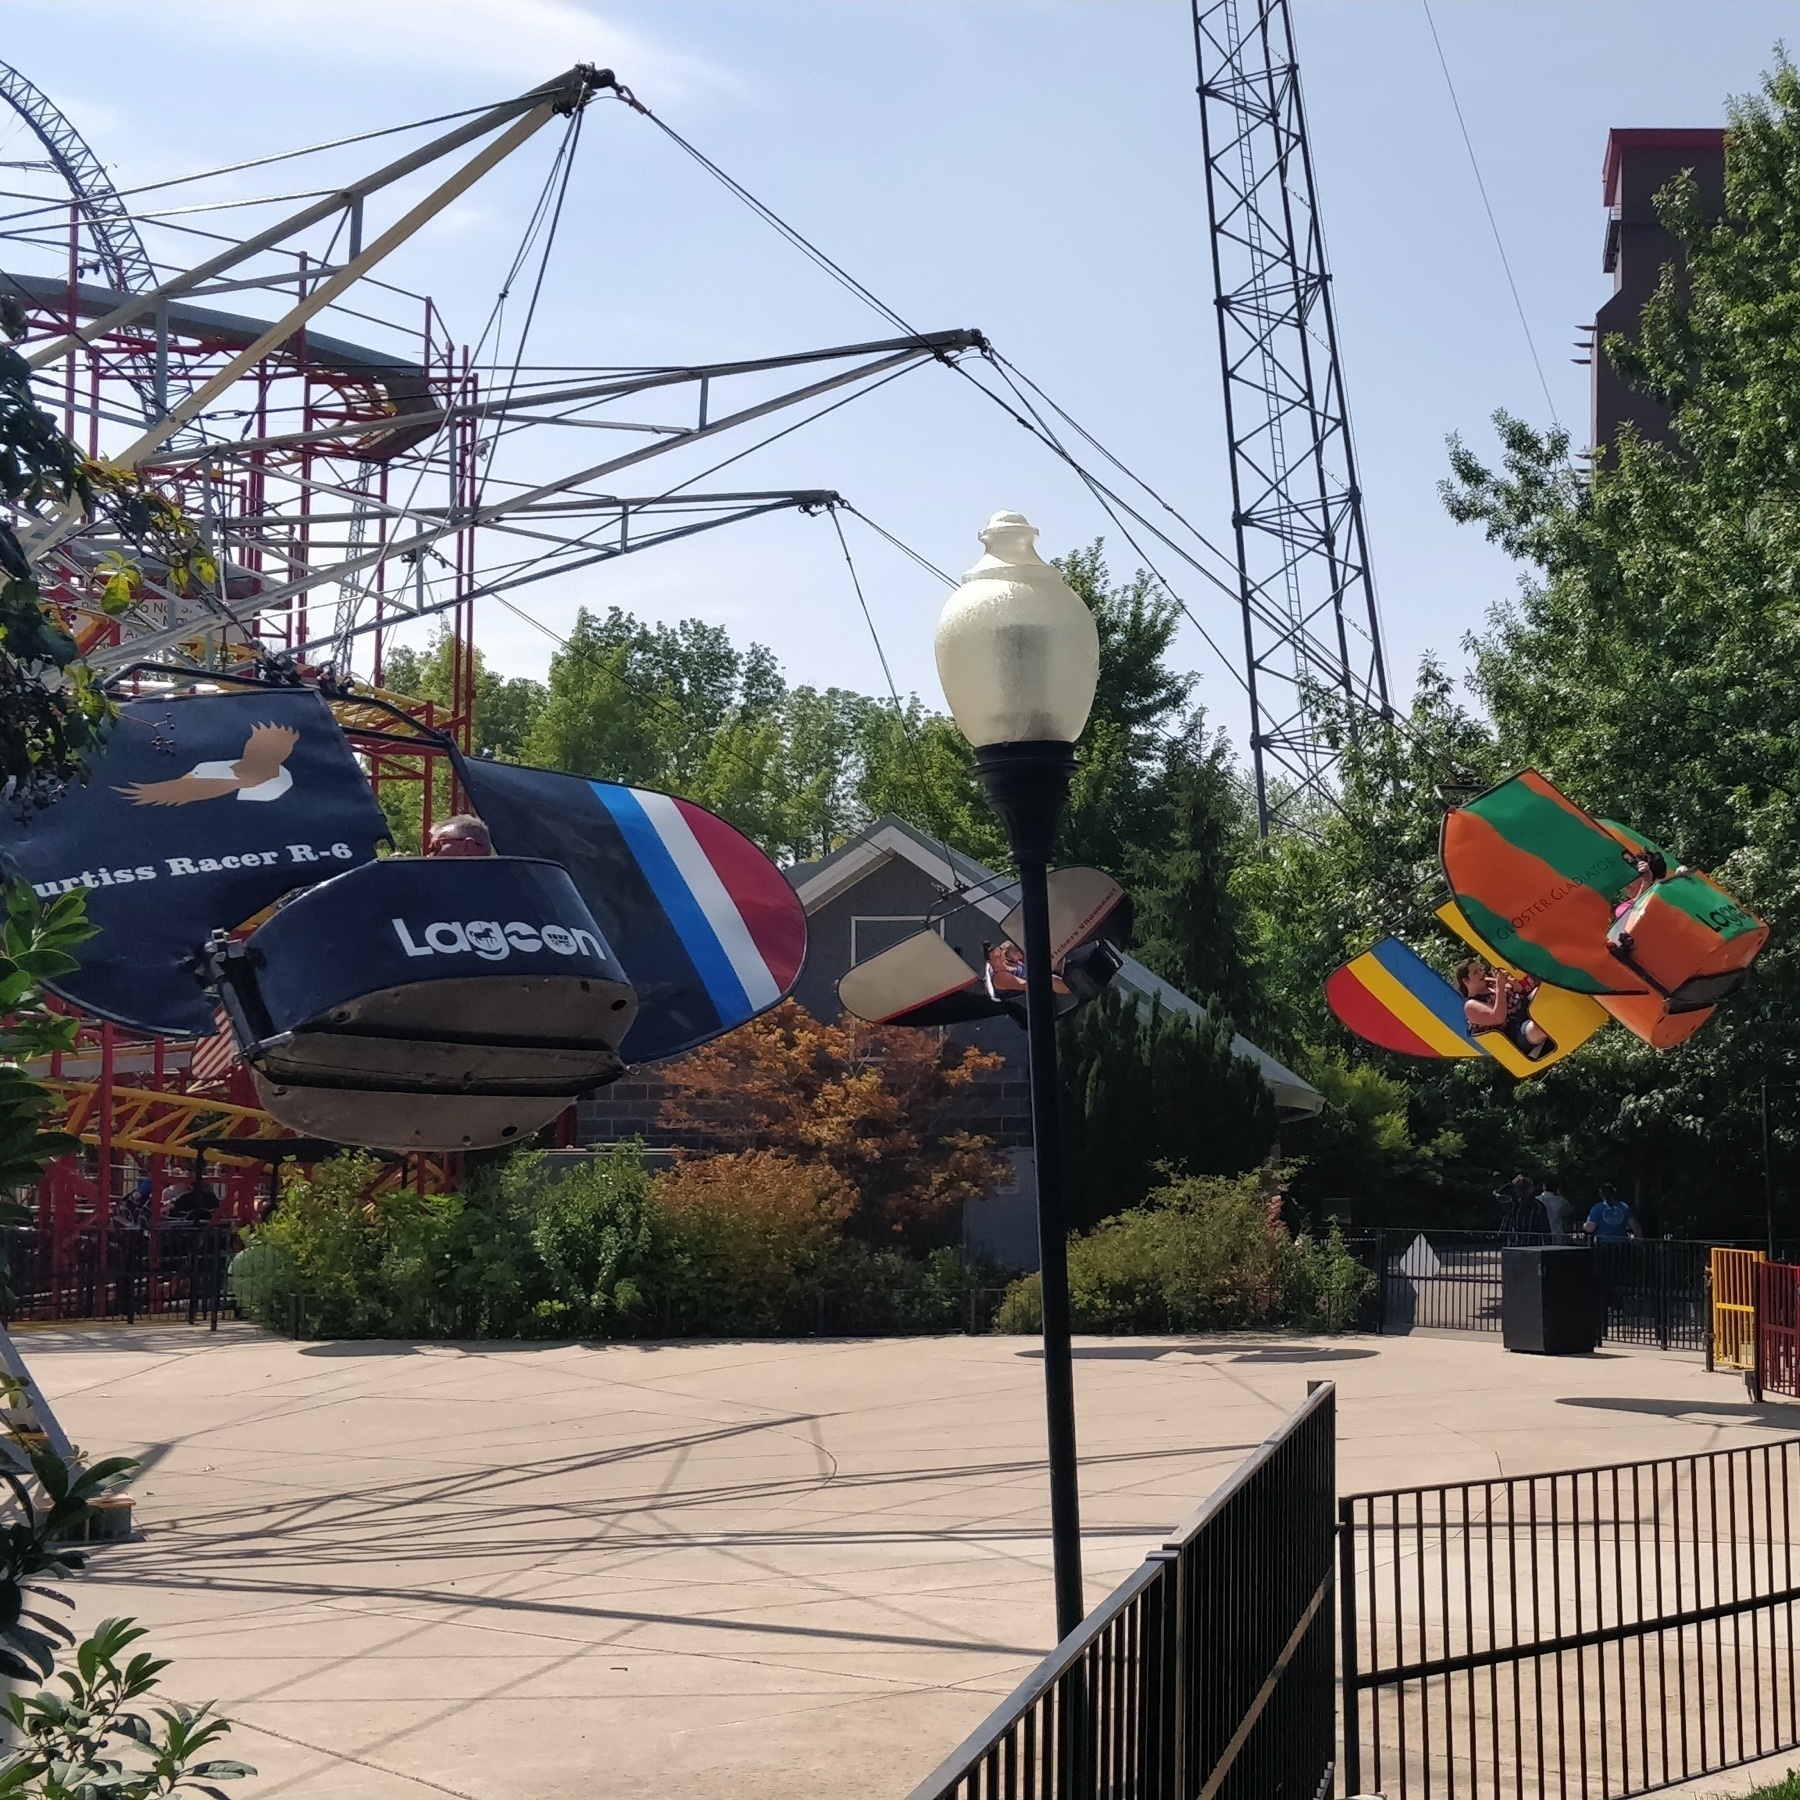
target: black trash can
1550 1302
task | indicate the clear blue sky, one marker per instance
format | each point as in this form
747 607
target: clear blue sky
1028 166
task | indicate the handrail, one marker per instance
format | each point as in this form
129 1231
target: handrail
1067 1656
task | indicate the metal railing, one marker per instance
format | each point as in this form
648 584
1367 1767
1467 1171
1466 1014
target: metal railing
118 1271
1208 1674
1777 1326
1593 1634
1655 1288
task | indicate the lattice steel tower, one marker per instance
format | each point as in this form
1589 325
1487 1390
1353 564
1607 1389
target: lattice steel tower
1312 640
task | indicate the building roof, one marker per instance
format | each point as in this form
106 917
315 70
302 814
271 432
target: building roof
819 883
1679 137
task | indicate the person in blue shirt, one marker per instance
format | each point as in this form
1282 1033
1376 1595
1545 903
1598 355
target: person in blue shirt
1610 1220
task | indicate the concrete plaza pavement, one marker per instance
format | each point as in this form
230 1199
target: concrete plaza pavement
717 1569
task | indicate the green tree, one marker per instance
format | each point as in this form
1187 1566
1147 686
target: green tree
1359 866
1649 662
35 944
1141 713
52 712
918 766
506 706
647 703
1145 1091
1362 1146
1190 922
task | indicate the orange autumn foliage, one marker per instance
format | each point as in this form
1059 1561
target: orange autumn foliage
748 1226
869 1102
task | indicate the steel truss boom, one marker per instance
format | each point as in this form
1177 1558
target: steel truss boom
734 509
564 94
869 363
1312 635
527 115
615 386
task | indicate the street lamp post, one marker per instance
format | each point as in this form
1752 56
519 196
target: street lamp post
1019 658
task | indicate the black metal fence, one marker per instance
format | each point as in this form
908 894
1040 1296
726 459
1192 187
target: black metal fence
1593 1634
1208 1673
1655 1288
118 1272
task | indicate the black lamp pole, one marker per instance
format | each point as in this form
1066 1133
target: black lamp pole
1029 785
1768 1163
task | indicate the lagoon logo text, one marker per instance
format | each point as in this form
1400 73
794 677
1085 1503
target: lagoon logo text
494 942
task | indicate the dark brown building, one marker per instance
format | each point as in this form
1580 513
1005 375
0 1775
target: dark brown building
1639 165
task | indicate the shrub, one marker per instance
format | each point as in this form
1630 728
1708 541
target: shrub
1021 1311
324 1248
262 1277
396 1263
594 1233
1322 1284
751 1243
862 1290
1207 1253
742 1233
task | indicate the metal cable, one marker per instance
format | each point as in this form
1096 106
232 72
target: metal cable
1487 207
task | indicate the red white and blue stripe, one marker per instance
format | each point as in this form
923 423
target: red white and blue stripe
708 929
713 882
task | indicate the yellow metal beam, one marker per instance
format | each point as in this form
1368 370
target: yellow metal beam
147 1123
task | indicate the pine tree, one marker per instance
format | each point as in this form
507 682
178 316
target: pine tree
1190 926
1146 1091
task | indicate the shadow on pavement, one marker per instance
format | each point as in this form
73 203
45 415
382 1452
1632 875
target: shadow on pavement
1258 1353
1777 1418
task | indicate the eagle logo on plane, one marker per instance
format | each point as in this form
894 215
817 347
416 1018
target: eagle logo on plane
260 773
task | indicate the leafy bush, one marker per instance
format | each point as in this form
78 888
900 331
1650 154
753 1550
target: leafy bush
35 942
1207 1253
89 1741
746 1244
361 1262
1323 1286
594 1231
743 1232
888 1291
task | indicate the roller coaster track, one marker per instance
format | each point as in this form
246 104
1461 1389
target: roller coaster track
118 247
147 1123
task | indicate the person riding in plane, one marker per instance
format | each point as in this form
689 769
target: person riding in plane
460 835
1493 1000
1651 868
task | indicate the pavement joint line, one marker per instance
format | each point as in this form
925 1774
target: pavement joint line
343 1756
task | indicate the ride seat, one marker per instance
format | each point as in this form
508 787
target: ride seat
427 1004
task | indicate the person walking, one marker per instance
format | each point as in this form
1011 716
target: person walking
1610 1220
1520 1222
1556 1211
